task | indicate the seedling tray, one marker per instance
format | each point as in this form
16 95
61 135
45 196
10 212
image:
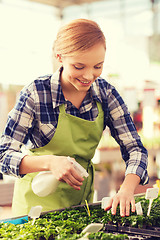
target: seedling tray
133 233
153 233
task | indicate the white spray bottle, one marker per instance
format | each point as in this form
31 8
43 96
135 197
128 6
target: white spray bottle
45 183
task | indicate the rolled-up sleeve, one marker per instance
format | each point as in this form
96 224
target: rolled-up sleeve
16 133
123 130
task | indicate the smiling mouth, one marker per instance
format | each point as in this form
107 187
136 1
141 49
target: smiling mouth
84 82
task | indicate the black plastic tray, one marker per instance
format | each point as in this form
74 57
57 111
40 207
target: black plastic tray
151 233
133 233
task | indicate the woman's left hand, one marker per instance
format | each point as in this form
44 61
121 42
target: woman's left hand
125 196
126 202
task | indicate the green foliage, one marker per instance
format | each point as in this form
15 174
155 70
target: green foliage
68 224
107 236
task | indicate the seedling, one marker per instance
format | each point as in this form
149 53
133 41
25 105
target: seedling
151 194
35 213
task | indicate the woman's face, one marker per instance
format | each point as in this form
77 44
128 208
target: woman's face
79 72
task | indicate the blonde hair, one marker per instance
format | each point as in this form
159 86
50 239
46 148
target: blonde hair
77 36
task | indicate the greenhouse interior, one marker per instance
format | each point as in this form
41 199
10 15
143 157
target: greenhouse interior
132 65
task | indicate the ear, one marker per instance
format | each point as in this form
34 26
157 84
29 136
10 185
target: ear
59 57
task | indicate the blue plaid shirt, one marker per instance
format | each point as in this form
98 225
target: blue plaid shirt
33 122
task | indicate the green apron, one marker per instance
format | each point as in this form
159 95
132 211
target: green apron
74 137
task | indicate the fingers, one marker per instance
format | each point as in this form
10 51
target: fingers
127 212
67 173
124 208
72 178
114 205
133 209
125 204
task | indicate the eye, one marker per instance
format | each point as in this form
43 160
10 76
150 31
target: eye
78 68
98 67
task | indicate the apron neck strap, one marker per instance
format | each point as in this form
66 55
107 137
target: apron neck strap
62 108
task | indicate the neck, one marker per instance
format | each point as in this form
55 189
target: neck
71 93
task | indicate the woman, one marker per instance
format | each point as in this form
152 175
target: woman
63 115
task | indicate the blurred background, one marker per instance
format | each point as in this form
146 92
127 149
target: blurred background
132 29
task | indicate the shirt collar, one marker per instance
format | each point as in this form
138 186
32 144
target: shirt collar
95 91
57 94
56 89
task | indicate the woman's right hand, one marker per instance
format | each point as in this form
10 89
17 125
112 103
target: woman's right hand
64 171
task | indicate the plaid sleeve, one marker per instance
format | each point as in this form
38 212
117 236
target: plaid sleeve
18 127
123 130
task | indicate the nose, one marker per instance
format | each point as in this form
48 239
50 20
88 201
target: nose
88 74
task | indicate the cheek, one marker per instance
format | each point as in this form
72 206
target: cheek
73 74
98 73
